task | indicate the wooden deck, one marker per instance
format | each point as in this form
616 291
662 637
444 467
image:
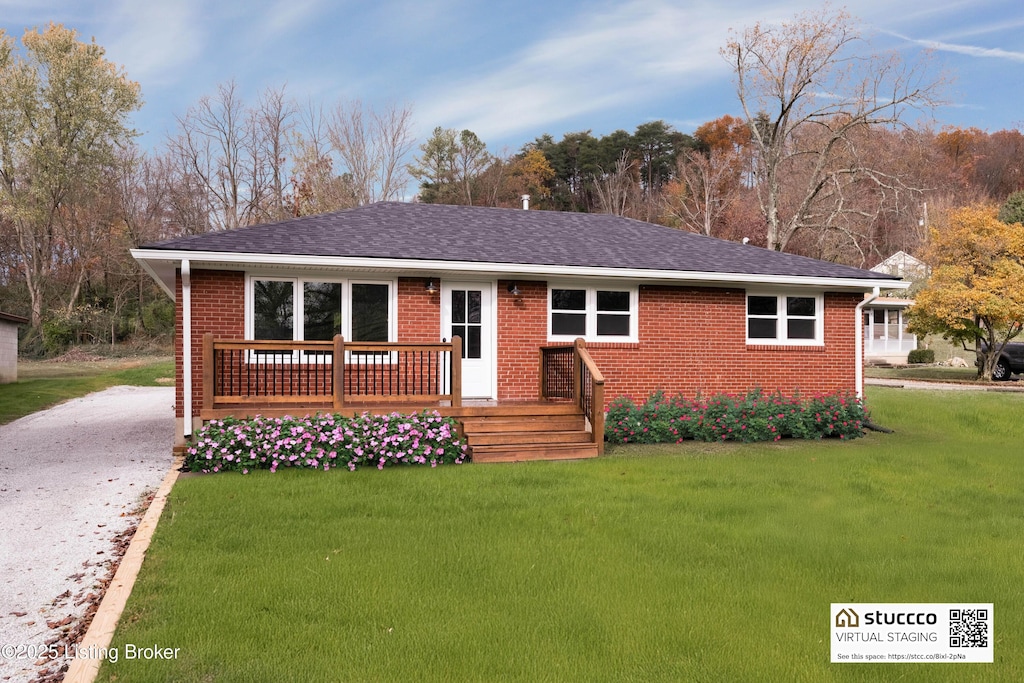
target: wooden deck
245 378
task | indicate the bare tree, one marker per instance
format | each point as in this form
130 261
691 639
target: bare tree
236 156
273 123
616 188
705 188
373 147
143 194
316 188
211 151
803 75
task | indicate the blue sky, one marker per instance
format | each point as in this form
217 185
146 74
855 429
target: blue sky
511 71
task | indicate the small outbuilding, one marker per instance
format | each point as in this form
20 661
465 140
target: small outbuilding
9 346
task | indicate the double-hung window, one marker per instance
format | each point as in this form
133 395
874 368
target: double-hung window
784 319
314 309
594 313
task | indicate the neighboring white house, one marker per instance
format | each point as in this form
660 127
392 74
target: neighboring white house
886 339
904 265
9 346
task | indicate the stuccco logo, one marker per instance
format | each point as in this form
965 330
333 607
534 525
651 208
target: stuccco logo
848 618
900 618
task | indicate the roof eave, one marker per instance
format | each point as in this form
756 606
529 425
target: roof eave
152 258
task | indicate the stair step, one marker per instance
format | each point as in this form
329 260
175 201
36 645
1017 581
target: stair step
514 432
528 438
557 423
485 454
515 410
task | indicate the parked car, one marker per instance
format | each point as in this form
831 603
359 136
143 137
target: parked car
1011 361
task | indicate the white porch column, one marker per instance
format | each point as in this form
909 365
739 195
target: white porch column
186 345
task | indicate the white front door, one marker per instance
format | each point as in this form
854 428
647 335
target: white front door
468 313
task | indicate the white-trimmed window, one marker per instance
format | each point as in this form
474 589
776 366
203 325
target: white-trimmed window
316 309
784 318
594 313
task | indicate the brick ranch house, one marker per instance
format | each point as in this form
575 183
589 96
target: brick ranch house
656 308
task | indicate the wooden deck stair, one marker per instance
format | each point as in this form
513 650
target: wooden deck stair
536 431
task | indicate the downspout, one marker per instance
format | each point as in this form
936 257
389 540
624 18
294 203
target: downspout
186 345
860 342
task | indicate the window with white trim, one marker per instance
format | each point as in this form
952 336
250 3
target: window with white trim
784 319
316 309
594 313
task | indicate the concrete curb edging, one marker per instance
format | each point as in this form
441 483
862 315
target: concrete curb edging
104 623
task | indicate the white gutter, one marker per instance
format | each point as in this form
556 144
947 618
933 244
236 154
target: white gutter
860 342
186 345
242 260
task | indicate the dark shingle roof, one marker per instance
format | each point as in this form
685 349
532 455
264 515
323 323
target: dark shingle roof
11 318
474 234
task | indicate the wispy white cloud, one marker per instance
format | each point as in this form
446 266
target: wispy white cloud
970 50
631 52
282 18
507 69
157 40
1004 24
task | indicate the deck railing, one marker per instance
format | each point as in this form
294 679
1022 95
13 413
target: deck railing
270 374
568 372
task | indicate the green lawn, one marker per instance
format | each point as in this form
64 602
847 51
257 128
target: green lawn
42 384
701 562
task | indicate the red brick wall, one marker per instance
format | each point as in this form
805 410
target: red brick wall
522 330
218 306
690 340
419 313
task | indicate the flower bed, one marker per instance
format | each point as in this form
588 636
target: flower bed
326 442
753 417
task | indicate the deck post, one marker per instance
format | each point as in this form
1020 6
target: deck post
338 371
597 421
577 371
456 371
208 373
542 376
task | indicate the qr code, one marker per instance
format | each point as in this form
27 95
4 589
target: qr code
968 627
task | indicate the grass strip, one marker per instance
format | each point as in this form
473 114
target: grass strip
928 372
42 385
704 562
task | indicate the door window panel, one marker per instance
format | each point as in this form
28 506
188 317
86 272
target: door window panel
467 319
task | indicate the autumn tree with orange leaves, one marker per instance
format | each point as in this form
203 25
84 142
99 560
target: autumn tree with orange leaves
975 295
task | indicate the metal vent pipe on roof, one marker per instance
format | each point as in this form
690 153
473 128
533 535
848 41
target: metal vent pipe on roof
526 202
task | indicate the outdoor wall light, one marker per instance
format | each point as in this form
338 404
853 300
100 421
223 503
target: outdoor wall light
431 287
513 289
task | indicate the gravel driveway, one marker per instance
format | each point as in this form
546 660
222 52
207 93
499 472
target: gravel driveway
69 478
